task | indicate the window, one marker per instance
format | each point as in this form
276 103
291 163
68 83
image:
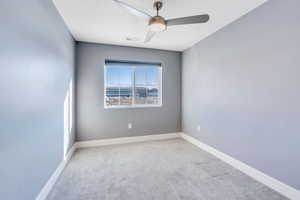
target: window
132 84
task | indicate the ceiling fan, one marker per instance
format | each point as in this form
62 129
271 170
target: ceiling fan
158 23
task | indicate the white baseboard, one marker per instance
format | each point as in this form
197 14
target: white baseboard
50 183
124 140
93 143
269 181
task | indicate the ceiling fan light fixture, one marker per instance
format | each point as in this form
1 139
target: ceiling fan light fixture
157 24
157 27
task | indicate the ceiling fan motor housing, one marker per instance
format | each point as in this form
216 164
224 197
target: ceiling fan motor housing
157 24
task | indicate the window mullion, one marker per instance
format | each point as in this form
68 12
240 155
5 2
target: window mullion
146 87
133 85
119 94
119 89
160 86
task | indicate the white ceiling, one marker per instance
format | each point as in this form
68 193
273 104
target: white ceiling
104 21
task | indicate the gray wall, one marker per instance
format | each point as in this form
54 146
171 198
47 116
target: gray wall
95 122
242 86
36 65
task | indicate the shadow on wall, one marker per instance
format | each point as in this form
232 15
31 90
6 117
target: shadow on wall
68 118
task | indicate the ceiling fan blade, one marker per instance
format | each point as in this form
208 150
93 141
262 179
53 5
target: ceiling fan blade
134 11
188 20
149 36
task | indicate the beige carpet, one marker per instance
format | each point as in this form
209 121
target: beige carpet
160 170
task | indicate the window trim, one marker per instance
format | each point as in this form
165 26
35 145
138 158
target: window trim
133 105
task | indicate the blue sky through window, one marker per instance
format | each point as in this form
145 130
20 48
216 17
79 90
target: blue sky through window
146 76
119 76
122 75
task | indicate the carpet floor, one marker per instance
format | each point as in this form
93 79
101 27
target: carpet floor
160 170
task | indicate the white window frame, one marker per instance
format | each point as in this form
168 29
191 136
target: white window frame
133 105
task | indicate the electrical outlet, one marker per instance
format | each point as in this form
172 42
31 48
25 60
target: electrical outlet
129 125
198 128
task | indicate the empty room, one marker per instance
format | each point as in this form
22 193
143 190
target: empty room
150 100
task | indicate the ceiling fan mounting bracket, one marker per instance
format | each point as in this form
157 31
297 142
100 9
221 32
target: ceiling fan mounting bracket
158 5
